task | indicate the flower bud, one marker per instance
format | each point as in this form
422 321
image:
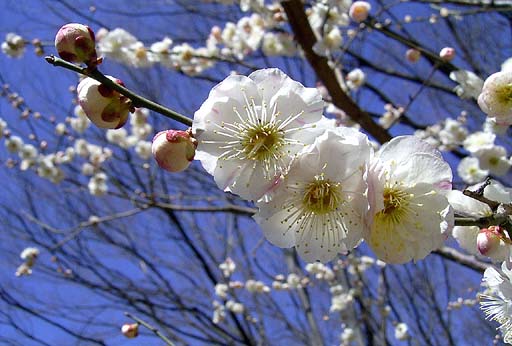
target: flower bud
174 150
412 55
492 242
130 330
75 43
447 54
105 107
359 11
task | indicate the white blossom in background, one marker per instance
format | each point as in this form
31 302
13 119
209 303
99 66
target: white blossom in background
330 42
115 44
409 214
320 205
221 290
490 125
117 137
495 302
249 129
470 172
452 134
219 312
470 85
228 267
355 79
143 149
235 307
496 97
401 331
98 184
13 46
28 155
278 44
13 144
161 52
478 141
359 11
390 115
80 122
494 159
29 256
256 286
348 335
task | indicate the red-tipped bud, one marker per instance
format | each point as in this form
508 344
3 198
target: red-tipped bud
359 11
75 43
174 150
447 54
493 242
105 107
130 330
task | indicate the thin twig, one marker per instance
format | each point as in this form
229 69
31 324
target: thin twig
151 328
138 101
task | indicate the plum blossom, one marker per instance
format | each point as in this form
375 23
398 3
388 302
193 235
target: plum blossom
250 128
409 214
496 97
13 46
320 205
496 301
470 85
470 172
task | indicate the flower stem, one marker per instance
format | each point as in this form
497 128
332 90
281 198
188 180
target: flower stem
138 101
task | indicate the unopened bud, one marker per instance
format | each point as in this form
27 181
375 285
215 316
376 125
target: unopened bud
359 11
130 330
493 242
447 54
105 107
75 43
174 149
412 55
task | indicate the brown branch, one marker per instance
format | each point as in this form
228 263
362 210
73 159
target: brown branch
306 38
466 260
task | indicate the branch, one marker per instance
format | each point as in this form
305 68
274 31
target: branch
306 38
466 260
151 328
138 101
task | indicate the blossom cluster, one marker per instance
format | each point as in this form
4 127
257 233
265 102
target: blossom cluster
320 188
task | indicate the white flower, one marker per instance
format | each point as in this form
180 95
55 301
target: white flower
401 331
496 303
319 207
143 149
479 140
355 78
249 129
278 44
453 133
494 159
228 267
235 307
410 214
115 44
359 11
14 144
470 85
470 172
98 184
29 254
496 97
13 46
221 290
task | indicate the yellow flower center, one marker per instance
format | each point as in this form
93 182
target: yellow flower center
396 205
262 142
322 196
504 94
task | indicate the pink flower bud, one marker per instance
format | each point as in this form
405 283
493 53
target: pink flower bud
174 150
75 43
105 107
447 54
492 242
130 330
359 11
412 55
